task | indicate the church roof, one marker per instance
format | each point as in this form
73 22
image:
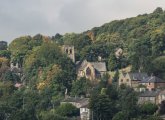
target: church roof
99 66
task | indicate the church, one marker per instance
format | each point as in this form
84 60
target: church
84 68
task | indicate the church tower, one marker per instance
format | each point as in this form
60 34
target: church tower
69 51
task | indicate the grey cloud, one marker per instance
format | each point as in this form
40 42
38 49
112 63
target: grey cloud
22 17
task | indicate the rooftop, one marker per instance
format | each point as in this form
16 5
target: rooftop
76 99
149 94
152 79
138 76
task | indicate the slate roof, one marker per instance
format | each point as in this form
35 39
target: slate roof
149 94
138 76
77 100
152 79
99 66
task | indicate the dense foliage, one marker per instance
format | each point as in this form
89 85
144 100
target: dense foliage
48 74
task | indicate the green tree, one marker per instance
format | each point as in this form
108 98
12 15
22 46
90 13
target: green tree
120 116
102 107
148 109
80 87
68 110
128 102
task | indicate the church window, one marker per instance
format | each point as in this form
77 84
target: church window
88 71
66 51
70 51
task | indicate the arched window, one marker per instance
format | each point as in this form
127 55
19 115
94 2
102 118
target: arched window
88 71
66 51
70 51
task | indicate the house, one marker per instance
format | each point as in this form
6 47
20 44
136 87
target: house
85 112
153 83
149 96
82 104
131 79
90 70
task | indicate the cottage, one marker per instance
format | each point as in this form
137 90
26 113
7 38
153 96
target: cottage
90 70
82 104
132 79
152 83
149 96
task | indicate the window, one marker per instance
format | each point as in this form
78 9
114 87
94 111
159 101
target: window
70 51
66 51
121 80
127 80
88 71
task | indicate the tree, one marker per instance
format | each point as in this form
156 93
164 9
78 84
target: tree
102 107
68 110
51 116
112 63
120 116
80 87
162 108
116 76
159 66
139 50
128 102
148 108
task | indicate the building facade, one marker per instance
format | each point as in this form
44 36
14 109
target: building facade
90 70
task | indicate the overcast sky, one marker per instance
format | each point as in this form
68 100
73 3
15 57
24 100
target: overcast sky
48 17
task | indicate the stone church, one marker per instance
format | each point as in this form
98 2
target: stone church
89 70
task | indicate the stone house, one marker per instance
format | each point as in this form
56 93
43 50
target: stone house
90 70
153 83
155 97
149 96
85 112
131 79
82 104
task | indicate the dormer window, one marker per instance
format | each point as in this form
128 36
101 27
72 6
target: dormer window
127 80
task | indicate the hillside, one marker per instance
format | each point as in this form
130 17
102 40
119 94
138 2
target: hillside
36 76
142 39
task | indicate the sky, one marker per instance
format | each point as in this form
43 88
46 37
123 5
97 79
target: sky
48 17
